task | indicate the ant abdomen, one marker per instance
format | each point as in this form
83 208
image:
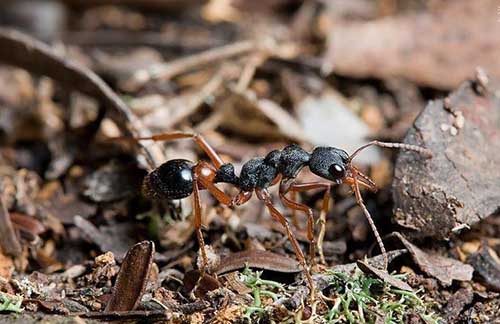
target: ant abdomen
171 180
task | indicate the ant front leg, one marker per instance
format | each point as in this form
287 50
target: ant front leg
359 200
204 174
286 187
197 225
264 196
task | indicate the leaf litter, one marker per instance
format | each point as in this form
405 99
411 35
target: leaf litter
72 207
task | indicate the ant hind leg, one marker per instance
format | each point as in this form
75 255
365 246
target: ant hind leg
264 196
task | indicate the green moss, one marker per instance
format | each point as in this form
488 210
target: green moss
361 299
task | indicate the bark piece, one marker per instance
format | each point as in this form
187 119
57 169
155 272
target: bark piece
442 268
487 267
460 184
132 278
9 241
456 303
440 48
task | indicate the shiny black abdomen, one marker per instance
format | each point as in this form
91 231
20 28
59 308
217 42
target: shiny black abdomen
171 180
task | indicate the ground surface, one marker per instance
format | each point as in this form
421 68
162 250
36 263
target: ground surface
80 242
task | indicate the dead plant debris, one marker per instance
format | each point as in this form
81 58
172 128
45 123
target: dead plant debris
80 242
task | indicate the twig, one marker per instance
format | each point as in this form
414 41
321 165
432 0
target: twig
126 39
131 315
8 239
189 104
249 70
168 70
23 51
163 315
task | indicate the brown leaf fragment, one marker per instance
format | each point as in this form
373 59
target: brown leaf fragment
487 266
460 184
114 238
28 53
442 268
8 239
27 223
383 275
132 278
199 283
258 259
422 47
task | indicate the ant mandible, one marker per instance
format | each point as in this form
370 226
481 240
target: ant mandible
179 178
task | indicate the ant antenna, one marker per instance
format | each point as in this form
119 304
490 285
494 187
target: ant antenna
409 147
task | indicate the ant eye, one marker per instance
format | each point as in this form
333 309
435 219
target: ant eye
337 170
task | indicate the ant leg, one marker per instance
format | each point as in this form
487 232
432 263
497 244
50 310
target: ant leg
197 138
295 221
322 223
294 188
197 225
360 202
241 198
265 197
205 173
310 220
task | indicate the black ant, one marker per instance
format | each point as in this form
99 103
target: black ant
176 179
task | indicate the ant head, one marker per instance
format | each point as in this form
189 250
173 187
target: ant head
330 163
335 165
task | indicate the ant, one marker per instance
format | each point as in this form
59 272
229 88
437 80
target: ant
179 178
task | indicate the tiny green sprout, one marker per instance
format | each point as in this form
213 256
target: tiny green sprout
10 303
260 287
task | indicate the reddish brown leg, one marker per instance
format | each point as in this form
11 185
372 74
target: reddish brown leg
294 188
310 219
197 225
265 197
205 173
295 221
241 198
359 200
198 139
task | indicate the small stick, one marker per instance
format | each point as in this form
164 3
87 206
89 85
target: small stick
166 71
